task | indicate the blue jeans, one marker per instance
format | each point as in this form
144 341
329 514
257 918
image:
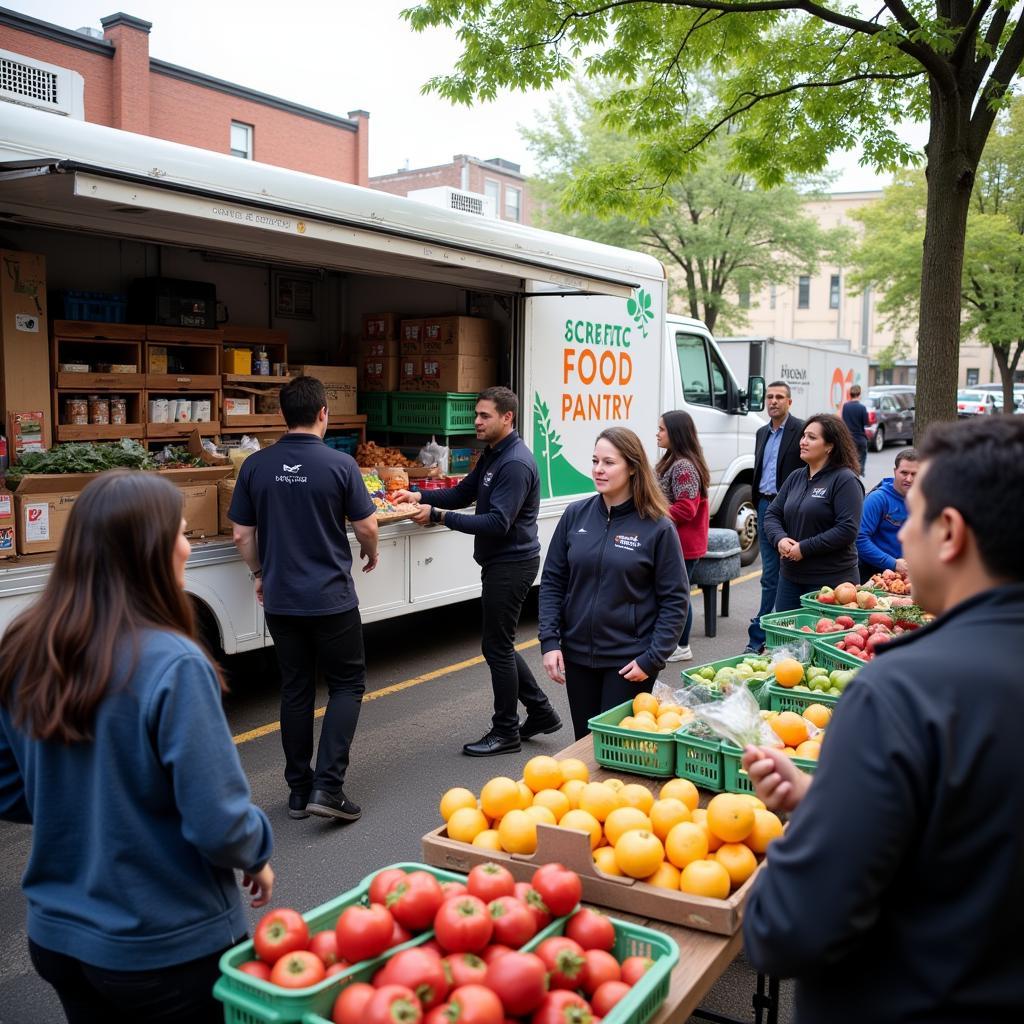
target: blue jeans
684 640
769 579
787 597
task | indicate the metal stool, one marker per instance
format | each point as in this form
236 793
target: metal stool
720 565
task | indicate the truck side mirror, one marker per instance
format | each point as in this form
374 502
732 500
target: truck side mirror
755 394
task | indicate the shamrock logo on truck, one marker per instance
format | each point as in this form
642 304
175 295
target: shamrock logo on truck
640 310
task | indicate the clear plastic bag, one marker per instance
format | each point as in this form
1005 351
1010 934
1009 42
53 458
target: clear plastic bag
434 454
737 718
798 650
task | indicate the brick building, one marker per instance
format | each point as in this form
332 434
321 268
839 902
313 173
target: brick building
499 180
114 81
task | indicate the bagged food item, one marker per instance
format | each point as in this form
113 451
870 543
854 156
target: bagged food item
238 455
435 454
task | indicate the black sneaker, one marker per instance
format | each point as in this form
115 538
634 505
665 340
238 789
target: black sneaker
297 805
543 722
492 744
332 805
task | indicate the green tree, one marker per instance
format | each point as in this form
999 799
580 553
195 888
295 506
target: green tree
720 235
799 79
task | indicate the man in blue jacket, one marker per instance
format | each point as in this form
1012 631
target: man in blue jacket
505 485
897 892
885 512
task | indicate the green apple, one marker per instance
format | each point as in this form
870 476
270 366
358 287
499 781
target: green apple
707 672
839 678
816 670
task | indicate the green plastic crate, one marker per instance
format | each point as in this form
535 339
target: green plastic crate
831 610
376 405
756 685
248 1000
827 655
645 753
699 759
781 698
782 627
435 414
738 781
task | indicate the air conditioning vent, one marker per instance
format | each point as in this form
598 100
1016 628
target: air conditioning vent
455 199
34 83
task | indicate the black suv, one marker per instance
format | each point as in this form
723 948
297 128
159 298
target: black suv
890 414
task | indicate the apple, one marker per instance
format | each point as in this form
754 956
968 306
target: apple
827 598
865 599
839 678
806 629
845 593
823 626
845 622
853 640
825 590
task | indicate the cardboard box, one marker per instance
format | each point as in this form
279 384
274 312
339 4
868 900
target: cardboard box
459 335
380 348
26 432
42 504
225 491
270 402
8 548
410 369
199 488
237 360
410 336
24 338
237 406
380 325
457 373
157 359
340 384
380 373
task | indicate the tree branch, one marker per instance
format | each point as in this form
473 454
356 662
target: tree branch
1002 74
905 19
970 29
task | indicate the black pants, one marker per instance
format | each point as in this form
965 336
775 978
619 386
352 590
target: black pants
593 690
505 586
182 994
334 645
862 454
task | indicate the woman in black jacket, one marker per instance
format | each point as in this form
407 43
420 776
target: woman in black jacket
814 519
614 593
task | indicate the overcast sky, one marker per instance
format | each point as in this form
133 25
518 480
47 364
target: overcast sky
337 56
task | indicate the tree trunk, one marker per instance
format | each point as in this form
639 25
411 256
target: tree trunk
1007 368
950 174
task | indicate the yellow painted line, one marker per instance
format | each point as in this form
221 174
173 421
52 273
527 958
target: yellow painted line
437 673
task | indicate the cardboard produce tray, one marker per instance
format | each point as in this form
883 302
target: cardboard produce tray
572 848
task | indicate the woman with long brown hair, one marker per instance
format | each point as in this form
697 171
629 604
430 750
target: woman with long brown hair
685 478
114 747
814 519
613 595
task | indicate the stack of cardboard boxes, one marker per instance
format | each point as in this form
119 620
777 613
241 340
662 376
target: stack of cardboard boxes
447 354
378 352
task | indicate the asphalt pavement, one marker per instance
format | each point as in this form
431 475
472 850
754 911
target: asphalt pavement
428 693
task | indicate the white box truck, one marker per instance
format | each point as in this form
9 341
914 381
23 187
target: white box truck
584 338
820 374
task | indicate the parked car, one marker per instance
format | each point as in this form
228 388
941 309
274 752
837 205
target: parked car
997 390
890 415
976 402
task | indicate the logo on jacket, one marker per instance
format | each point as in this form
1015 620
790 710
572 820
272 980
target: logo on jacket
627 541
582 529
819 492
291 469
290 475
488 477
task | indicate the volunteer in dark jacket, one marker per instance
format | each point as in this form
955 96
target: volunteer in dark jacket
115 749
614 594
897 892
814 519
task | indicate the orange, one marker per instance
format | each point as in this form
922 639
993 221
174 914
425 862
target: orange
574 768
700 817
572 790
624 819
788 672
639 853
666 877
542 772
629 722
767 827
669 720
646 702
518 833
705 878
616 784
664 709
754 801
635 795
541 815
488 839
730 818
738 860
604 860
680 789
666 813
466 824
790 727
454 799
598 799
809 749
818 714
525 795
499 796
585 822
554 800
686 842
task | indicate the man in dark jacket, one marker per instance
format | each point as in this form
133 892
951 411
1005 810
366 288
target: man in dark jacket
855 416
505 485
776 455
897 892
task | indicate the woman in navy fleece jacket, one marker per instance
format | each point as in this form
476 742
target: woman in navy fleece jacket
114 747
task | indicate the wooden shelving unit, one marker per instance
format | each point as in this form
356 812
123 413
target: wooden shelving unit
253 385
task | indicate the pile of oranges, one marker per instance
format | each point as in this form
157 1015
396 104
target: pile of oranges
651 715
666 840
803 734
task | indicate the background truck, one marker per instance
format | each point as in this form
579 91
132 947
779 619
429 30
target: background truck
583 334
819 374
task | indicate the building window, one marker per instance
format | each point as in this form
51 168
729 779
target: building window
513 203
772 295
241 140
972 376
804 293
833 292
492 189
744 292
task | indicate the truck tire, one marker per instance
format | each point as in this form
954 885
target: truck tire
878 441
740 513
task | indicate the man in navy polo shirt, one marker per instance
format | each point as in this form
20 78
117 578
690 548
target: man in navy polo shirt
505 485
289 508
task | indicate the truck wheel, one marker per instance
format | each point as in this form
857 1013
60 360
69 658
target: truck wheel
878 443
740 513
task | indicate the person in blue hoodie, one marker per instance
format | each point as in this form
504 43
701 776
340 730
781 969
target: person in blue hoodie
115 749
614 593
885 512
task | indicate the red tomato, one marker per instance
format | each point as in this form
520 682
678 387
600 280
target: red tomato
475 1004
563 1008
591 929
351 1002
438 1015
493 951
489 881
635 967
519 980
279 932
382 883
419 970
607 996
434 945
399 935
415 899
453 889
364 932
534 903
338 968
392 1004
514 925
325 945
257 968
599 967
463 925
464 969
559 888
298 969
564 960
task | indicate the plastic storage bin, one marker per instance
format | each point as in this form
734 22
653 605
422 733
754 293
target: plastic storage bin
699 759
433 414
645 753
